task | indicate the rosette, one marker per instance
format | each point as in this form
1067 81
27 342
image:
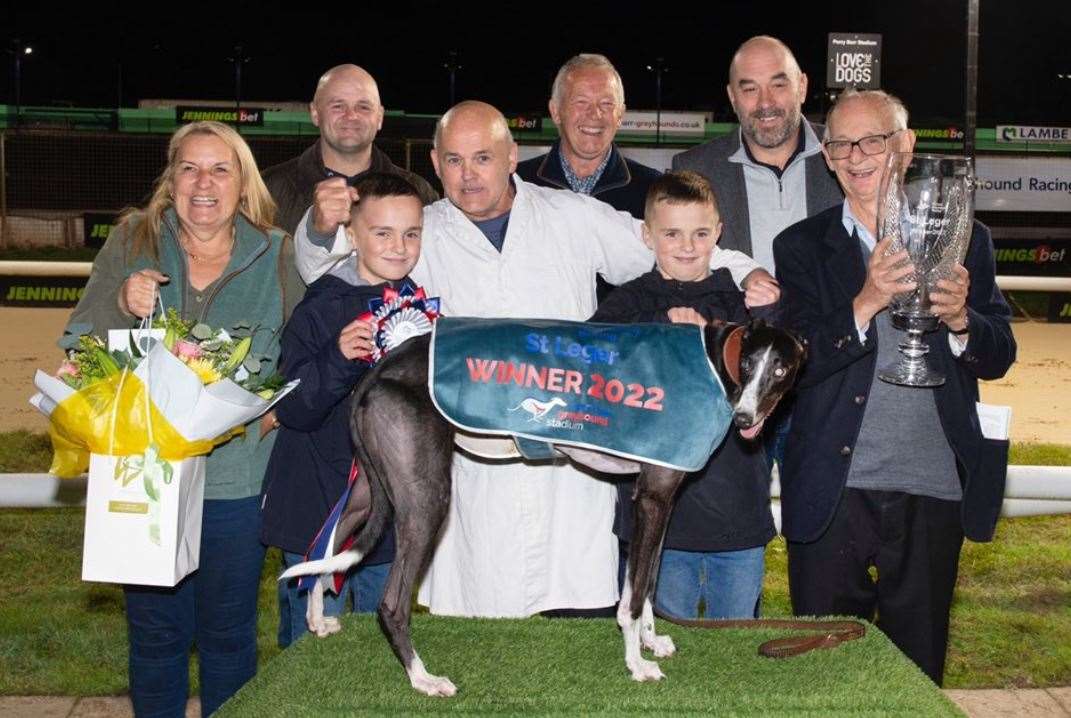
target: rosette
399 315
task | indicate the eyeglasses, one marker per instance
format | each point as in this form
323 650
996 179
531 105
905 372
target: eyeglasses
869 145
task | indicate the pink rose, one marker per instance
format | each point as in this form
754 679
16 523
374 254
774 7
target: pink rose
187 350
67 368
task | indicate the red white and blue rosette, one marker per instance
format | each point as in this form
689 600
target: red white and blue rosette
401 314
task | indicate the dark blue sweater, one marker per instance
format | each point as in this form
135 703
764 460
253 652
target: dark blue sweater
725 506
310 463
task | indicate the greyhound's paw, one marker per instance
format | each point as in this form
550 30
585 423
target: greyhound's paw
329 626
426 683
325 626
434 686
644 670
661 646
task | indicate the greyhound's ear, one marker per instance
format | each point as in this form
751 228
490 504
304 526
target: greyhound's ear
801 340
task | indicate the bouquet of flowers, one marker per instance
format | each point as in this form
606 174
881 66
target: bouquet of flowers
180 387
140 412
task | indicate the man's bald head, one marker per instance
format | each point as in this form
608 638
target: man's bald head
762 47
474 156
473 113
767 90
347 110
347 73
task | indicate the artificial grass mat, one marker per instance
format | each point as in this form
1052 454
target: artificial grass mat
540 666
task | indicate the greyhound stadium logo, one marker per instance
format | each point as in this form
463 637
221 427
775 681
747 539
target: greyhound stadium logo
551 413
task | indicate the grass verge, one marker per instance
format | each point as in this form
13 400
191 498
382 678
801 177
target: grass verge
24 452
61 636
1011 620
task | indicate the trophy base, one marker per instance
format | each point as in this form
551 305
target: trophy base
908 375
912 369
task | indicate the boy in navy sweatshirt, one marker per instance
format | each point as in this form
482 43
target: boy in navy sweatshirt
714 549
326 346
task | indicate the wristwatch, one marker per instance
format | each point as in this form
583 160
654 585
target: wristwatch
966 327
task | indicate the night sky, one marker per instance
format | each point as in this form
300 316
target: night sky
509 52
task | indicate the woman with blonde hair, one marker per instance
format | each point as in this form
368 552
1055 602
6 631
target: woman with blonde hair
206 246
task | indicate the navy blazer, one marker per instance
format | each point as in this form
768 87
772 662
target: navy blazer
821 269
310 462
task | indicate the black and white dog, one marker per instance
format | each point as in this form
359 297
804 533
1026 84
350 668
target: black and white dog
757 364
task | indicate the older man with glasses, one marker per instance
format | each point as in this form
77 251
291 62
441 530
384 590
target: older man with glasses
882 482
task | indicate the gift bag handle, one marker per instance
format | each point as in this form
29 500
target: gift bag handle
144 329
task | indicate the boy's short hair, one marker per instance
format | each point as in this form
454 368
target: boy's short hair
383 184
680 187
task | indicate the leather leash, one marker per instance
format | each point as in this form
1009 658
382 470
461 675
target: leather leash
822 634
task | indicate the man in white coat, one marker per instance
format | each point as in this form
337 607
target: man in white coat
520 538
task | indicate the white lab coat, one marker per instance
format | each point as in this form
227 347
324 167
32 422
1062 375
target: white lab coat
523 538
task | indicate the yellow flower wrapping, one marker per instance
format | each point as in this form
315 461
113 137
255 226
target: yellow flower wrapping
82 424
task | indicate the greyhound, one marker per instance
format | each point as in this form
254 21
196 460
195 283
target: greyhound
757 364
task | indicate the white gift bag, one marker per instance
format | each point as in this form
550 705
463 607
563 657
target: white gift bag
143 514
143 519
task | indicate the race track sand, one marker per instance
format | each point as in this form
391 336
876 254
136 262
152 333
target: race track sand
1038 387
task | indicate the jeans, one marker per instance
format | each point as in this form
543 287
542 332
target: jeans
364 583
729 582
215 606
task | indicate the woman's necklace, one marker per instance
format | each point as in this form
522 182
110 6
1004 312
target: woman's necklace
202 258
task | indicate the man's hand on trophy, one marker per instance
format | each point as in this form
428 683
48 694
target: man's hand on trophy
949 299
332 200
884 275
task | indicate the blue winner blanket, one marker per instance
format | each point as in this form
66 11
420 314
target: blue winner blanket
645 391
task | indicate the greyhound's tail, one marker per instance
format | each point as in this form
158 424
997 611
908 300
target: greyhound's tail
332 564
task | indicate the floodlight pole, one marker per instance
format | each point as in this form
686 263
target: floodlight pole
658 68
239 59
970 122
18 50
452 66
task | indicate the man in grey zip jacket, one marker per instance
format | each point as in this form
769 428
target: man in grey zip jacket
769 174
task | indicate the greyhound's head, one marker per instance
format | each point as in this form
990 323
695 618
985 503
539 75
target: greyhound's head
757 363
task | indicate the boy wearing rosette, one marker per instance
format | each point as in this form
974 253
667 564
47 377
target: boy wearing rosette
715 543
327 346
